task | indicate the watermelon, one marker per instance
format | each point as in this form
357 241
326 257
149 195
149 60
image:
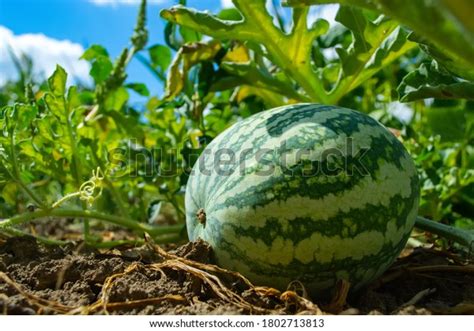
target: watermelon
304 192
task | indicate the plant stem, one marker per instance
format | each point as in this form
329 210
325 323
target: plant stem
75 160
43 240
458 235
16 174
72 143
65 198
88 214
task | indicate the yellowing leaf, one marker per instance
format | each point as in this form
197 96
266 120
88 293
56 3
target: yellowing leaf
238 54
188 56
271 99
57 155
9 193
289 51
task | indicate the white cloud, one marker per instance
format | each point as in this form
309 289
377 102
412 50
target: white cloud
114 3
227 4
45 52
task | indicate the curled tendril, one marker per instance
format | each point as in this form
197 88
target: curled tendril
89 190
92 189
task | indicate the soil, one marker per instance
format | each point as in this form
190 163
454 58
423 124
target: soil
39 279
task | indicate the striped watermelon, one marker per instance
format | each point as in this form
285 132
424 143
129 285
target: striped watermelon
314 193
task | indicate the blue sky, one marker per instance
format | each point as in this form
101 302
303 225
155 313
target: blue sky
58 31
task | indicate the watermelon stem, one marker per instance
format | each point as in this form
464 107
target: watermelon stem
463 237
155 231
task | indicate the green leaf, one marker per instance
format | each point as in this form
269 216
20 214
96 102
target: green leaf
26 176
429 81
101 65
25 115
289 51
9 193
446 30
130 125
101 69
271 99
452 63
57 82
55 98
158 73
73 98
140 88
189 35
447 24
160 56
375 44
170 36
94 52
448 122
251 75
116 99
230 14
354 19
188 56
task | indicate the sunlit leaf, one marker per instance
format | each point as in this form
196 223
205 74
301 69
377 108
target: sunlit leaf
291 52
375 44
189 35
94 52
187 56
271 99
116 99
160 56
55 98
230 14
445 23
251 75
101 69
57 82
140 88
101 65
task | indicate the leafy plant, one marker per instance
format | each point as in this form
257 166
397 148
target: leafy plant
444 23
86 154
430 81
54 140
285 63
448 40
